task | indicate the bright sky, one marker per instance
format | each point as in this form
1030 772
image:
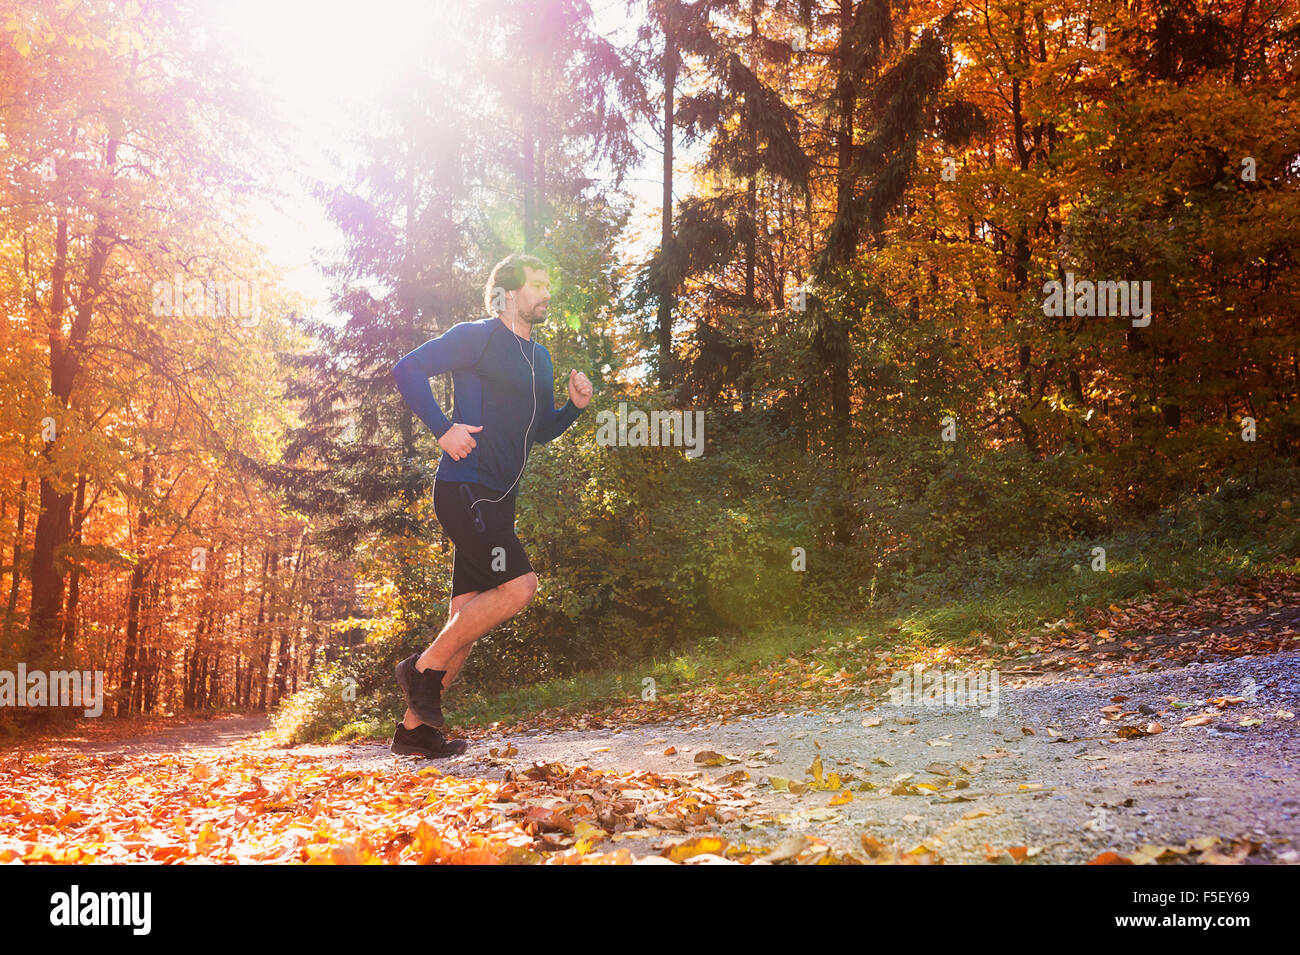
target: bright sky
319 54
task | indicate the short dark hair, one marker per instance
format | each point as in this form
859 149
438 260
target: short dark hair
508 274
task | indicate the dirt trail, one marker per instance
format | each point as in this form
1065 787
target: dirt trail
1087 793
1045 772
197 737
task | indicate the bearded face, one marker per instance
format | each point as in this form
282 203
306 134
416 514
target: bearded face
532 300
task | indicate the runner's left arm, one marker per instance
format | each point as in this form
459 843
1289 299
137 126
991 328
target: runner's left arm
557 420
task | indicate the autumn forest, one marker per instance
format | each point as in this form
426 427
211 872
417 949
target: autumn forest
954 283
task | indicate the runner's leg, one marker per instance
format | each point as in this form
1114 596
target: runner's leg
477 551
477 617
458 661
410 721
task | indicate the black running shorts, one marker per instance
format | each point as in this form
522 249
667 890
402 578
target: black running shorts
487 552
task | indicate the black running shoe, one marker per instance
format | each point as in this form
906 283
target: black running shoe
423 690
425 741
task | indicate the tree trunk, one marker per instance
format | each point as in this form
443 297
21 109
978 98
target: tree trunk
68 639
667 291
132 656
269 564
52 524
18 560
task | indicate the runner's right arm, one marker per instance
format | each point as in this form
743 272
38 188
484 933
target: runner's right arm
458 347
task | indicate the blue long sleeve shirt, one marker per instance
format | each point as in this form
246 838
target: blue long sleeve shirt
491 381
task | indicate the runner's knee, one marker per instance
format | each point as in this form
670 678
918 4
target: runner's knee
521 589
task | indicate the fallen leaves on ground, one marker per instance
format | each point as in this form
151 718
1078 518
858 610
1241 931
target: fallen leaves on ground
255 808
252 808
1205 850
1217 622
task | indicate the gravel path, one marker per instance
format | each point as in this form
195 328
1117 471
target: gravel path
1046 772
194 738
1089 792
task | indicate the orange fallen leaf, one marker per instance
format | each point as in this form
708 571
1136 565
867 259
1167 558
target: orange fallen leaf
1109 858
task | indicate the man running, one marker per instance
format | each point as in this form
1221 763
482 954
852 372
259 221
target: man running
504 401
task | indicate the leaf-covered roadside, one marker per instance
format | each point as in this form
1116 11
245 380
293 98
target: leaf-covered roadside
253 808
250 808
1219 621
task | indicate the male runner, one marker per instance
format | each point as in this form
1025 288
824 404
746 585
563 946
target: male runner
504 401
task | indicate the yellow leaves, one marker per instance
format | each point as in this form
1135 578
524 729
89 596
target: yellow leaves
879 853
520 855
782 785
206 839
1205 849
841 799
55 855
341 855
708 757
701 845
821 780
